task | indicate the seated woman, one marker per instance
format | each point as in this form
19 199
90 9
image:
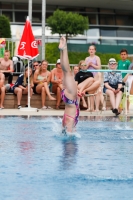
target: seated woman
86 83
21 86
56 80
69 93
42 79
113 86
128 79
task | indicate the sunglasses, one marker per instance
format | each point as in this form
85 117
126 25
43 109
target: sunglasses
35 65
83 65
112 63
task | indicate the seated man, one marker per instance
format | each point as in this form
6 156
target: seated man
56 80
113 86
2 90
6 66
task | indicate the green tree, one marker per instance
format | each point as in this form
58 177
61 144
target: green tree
68 23
5 30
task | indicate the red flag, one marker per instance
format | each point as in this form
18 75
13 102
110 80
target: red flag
28 48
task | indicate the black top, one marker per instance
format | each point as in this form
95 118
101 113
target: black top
20 81
82 75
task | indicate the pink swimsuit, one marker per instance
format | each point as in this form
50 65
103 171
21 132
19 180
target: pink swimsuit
68 101
94 61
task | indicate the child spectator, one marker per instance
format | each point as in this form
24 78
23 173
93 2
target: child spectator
75 70
6 66
86 83
124 63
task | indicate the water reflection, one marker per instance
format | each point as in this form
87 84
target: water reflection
70 150
120 118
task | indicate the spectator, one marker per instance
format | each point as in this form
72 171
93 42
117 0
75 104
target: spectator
124 63
129 80
36 66
86 83
113 86
2 90
94 63
75 70
21 86
6 66
56 80
42 78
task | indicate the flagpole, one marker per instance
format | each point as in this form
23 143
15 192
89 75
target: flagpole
29 109
43 27
28 84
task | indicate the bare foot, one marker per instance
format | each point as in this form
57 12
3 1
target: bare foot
84 104
1 107
88 110
52 98
62 44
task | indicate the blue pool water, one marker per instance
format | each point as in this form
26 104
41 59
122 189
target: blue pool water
37 163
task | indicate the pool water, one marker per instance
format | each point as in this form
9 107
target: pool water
38 163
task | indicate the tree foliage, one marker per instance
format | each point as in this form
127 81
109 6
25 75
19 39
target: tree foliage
5 30
67 23
53 53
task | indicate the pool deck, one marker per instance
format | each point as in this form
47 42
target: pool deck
52 112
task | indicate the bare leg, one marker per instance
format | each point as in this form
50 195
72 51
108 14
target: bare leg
48 92
84 102
131 90
69 82
118 99
58 97
85 84
112 98
94 86
2 97
43 95
18 92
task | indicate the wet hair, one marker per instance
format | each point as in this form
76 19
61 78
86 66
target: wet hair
124 50
92 46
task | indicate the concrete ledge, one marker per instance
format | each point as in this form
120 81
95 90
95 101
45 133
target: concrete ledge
52 112
11 101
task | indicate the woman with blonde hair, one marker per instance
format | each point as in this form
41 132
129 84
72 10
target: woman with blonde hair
42 79
21 86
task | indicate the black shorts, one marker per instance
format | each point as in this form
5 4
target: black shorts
34 89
